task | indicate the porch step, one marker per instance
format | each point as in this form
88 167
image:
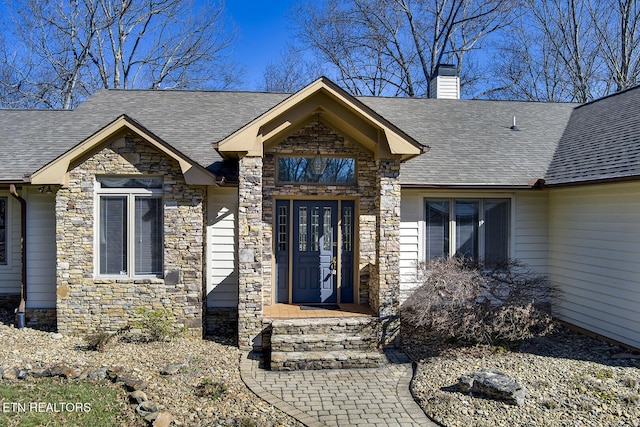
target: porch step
364 325
323 343
307 360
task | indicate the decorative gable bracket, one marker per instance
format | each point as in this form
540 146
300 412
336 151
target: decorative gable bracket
321 100
56 172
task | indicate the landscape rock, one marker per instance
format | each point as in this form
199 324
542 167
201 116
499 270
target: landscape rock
172 369
114 372
38 372
138 396
71 373
163 420
148 411
134 384
495 384
97 374
10 374
56 370
22 374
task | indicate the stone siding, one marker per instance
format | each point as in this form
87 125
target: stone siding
86 302
377 196
250 257
387 294
41 318
222 323
305 143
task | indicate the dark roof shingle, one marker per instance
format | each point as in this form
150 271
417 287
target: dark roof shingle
472 143
600 142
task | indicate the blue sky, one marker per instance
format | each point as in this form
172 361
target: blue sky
263 33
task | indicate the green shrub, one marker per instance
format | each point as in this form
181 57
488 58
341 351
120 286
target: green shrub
156 325
210 389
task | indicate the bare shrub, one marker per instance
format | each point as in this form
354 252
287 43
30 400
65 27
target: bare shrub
98 340
461 300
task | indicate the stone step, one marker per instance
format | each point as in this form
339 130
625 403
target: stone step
309 360
322 342
363 326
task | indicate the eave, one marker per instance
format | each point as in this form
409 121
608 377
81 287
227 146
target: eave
56 172
321 100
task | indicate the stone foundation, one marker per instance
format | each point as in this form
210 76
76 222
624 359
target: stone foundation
9 301
44 318
222 322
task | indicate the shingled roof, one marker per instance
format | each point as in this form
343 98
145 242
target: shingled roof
601 142
472 143
188 120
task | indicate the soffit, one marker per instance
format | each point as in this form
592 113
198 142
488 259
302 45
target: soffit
322 100
56 172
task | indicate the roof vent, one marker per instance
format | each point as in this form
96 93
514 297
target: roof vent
514 126
445 83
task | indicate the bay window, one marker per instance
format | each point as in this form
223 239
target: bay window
130 226
470 228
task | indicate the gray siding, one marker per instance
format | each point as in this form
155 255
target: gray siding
41 250
222 266
10 274
594 253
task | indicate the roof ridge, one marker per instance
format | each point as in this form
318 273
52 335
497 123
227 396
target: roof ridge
611 95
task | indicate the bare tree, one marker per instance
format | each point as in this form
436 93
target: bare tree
392 47
570 50
617 24
291 72
65 50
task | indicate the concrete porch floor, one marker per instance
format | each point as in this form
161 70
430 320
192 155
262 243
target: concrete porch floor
295 311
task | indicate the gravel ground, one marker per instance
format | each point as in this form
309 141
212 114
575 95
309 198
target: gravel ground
204 361
571 380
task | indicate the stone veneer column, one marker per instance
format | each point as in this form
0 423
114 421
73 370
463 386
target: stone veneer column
250 268
387 295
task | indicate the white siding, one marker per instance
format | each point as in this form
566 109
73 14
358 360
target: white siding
411 240
41 250
531 229
11 273
222 271
528 229
594 245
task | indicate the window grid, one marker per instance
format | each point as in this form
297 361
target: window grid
130 231
302 229
327 230
315 229
282 228
347 230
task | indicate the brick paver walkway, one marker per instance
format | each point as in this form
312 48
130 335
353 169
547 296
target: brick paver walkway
340 397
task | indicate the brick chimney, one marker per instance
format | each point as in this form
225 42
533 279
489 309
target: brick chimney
446 83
